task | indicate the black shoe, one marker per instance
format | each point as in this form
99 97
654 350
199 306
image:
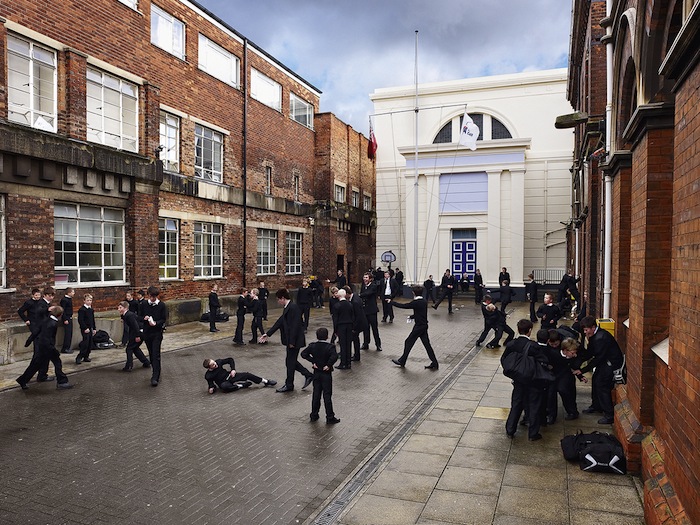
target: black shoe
391 320
342 367
146 364
213 330
364 347
86 360
551 420
154 382
355 358
63 386
397 362
239 343
269 382
307 382
243 384
449 312
45 379
66 351
379 349
511 436
383 320
127 369
569 417
490 346
432 366
435 307
332 421
478 343
23 385
313 418
523 422
606 420
253 342
591 410
285 388
536 437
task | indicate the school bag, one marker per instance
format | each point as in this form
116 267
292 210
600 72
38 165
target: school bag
102 340
595 452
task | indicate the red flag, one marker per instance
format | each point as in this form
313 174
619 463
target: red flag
372 144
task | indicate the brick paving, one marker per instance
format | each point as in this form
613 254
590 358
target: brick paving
115 450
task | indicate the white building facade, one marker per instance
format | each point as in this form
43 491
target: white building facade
441 205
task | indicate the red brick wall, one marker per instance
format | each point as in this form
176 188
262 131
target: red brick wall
619 307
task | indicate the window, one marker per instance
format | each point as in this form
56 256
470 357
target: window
31 89
498 130
301 111
133 4
3 249
170 141
355 195
167 32
168 264
267 252
112 111
265 90
293 253
209 153
339 193
207 250
268 180
490 128
88 244
366 202
218 62
295 185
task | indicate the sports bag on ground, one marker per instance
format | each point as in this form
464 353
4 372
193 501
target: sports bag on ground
102 340
595 452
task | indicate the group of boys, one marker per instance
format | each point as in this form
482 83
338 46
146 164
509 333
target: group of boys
251 302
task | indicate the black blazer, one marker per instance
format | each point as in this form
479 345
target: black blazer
291 327
531 291
602 350
67 305
420 311
549 314
393 286
321 353
214 301
159 313
360 319
368 294
46 335
304 296
131 321
344 313
447 280
86 318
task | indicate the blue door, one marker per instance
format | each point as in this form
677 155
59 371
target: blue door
463 252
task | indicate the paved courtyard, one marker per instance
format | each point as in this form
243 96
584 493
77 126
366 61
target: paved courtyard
115 450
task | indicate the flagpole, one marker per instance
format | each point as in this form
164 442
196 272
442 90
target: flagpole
415 177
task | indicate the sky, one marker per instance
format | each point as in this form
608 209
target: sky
347 49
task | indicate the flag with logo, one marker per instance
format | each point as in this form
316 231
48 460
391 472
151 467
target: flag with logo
372 144
469 132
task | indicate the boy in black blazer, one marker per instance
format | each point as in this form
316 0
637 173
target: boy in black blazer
322 356
86 321
420 328
67 320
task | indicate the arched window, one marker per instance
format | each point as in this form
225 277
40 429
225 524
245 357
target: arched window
498 129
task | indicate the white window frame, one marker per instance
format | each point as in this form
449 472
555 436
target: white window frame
170 141
293 247
168 249
24 83
208 250
268 180
207 139
301 111
355 198
3 245
267 252
366 202
265 90
102 114
82 227
339 192
216 61
296 186
167 32
133 4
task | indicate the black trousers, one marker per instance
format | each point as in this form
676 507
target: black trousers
213 311
230 384
85 345
374 326
67 336
504 305
293 365
264 309
134 349
499 333
479 294
323 386
240 321
602 387
43 363
153 341
531 399
344 332
40 361
533 315
564 384
447 292
485 332
305 314
418 332
387 309
257 326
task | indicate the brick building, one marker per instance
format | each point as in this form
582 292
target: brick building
636 174
150 143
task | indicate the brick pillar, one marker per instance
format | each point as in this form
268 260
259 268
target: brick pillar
142 236
150 109
73 117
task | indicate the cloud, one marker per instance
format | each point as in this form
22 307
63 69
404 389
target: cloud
349 49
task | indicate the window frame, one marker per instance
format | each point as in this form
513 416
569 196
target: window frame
133 4
338 189
212 232
366 202
158 13
262 89
172 248
168 149
33 85
83 220
296 186
207 46
301 111
267 245
3 244
200 171
103 107
268 180
293 253
355 197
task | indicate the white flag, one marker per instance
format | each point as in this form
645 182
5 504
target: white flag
469 134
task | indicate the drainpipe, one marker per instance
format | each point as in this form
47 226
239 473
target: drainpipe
607 254
245 160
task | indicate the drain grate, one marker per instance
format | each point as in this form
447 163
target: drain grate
332 511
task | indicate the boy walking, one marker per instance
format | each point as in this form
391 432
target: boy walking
86 321
67 320
322 355
420 328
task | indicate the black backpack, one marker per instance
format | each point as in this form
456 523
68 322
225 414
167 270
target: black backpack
595 452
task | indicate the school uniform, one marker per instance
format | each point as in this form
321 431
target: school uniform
420 330
478 288
359 325
214 306
368 295
304 302
531 295
549 314
45 338
153 335
263 294
133 347
257 325
241 310
389 289
344 320
447 284
67 323
219 378
603 354
292 335
86 321
321 354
